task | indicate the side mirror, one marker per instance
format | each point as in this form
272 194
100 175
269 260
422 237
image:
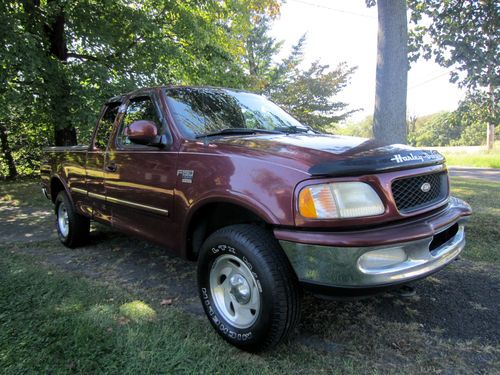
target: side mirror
142 132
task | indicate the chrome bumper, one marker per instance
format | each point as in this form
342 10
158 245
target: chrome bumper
366 267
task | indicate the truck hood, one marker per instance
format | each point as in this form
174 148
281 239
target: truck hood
328 155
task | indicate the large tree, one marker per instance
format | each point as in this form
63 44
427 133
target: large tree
389 118
61 59
86 50
463 35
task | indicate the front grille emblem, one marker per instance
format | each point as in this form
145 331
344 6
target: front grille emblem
426 187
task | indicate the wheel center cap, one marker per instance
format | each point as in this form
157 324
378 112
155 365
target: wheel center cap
240 289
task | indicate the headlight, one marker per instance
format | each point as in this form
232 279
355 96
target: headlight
339 200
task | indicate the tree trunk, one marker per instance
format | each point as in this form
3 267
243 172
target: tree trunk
490 127
64 131
490 136
54 76
389 119
6 151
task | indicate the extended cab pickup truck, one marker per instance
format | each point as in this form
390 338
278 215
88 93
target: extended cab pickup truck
264 204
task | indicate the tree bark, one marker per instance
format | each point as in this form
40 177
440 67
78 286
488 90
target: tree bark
490 136
7 152
64 131
53 30
389 119
490 126
252 66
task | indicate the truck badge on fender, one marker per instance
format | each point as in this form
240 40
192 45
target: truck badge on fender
187 175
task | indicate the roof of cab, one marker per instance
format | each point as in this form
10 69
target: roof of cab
145 90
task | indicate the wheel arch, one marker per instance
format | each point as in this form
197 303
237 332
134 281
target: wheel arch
211 215
56 186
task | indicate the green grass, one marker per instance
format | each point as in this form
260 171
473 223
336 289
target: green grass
23 192
483 229
57 323
471 156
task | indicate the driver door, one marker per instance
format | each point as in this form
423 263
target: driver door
140 179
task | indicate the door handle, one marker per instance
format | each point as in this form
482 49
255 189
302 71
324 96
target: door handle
111 168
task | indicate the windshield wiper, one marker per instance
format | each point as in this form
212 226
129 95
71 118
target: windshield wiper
294 129
237 131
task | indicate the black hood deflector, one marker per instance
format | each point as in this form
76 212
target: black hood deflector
385 159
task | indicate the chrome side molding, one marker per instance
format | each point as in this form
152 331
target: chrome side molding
159 211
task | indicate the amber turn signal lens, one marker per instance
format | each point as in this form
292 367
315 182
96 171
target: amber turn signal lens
306 204
317 202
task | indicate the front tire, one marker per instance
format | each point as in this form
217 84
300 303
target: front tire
72 228
247 287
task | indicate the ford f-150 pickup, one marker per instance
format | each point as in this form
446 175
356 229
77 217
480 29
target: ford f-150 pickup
264 204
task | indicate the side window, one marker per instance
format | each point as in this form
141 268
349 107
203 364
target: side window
105 126
141 108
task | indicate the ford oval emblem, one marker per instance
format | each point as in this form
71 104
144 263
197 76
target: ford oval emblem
425 187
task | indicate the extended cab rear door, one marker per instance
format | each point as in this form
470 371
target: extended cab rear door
140 179
96 162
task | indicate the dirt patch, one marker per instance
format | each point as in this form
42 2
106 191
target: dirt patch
490 174
25 224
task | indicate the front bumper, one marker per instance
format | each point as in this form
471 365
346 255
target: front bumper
391 255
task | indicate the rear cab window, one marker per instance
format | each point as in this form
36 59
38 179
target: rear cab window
105 126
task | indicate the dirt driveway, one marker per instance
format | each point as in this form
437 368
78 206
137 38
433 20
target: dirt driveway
489 174
453 318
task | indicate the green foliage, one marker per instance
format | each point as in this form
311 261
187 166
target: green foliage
63 59
307 94
363 128
474 113
260 49
462 35
464 127
438 130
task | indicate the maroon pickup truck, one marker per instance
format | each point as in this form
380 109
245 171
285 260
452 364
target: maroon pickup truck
265 205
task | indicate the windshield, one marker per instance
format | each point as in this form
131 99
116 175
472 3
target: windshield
207 111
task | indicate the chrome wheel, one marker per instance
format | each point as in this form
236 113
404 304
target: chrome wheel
235 291
63 219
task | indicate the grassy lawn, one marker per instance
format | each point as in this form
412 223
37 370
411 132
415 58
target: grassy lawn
25 192
57 323
471 156
483 230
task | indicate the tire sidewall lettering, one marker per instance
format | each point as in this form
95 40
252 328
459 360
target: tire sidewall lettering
224 327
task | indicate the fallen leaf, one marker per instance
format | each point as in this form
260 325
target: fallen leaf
123 321
166 302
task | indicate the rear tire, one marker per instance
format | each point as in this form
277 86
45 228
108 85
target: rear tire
72 228
247 287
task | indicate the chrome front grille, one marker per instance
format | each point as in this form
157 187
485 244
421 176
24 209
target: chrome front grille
418 192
